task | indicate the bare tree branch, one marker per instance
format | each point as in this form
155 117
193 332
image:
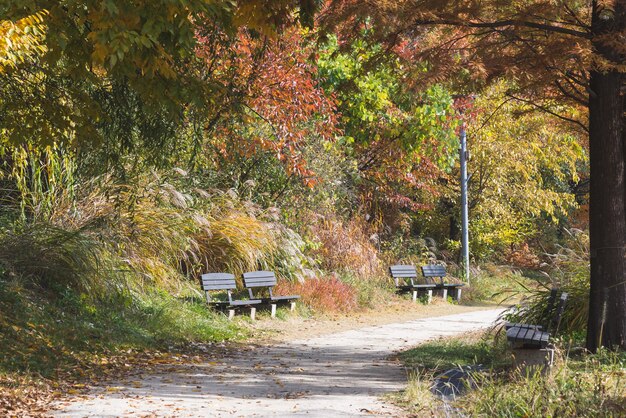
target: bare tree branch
545 109
504 23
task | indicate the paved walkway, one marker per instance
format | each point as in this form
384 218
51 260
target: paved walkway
337 375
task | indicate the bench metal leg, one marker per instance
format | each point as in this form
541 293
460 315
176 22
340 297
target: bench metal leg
445 294
231 314
458 294
253 313
414 295
292 306
430 296
273 305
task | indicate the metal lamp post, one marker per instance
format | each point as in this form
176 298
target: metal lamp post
464 209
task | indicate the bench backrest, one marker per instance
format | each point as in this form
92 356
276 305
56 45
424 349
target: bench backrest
259 279
548 314
403 272
430 271
218 281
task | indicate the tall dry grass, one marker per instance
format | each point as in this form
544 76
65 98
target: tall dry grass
323 294
154 229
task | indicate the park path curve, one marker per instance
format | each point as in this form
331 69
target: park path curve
335 375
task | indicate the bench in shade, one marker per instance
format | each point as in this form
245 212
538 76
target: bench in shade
534 336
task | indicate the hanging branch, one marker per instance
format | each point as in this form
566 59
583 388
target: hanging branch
545 109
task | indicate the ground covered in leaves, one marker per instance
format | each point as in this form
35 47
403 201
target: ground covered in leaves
45 357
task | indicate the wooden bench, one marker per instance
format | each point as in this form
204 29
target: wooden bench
432 271
211 282
405 278
262 283
531 336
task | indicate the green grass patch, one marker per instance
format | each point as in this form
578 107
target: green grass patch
444 354
499 284
44 333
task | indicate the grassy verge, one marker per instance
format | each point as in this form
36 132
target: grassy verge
52 340
498 284
581 385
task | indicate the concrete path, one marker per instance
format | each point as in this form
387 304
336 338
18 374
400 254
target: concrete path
337 375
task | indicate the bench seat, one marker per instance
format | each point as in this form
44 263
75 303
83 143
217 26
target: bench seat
528 337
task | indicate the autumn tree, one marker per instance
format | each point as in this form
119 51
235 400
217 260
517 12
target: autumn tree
567 51
400 138
64 60
523 163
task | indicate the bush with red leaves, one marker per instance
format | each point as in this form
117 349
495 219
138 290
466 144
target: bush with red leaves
327 294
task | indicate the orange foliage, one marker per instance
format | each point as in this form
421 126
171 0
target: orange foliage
523 257
345 246
273 87
327 294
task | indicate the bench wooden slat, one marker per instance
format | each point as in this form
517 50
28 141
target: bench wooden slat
404 275
259 273
433 270
217 287
259 279
520 325
266 283
282 298
245 302
218 276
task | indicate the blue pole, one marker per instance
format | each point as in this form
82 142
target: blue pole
464 209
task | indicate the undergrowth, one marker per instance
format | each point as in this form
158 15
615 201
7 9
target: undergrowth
577 385
323 294
50 331
568 270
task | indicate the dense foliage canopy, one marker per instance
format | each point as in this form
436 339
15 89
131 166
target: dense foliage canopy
173 137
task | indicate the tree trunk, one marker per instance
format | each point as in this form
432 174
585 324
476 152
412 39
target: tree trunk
607 215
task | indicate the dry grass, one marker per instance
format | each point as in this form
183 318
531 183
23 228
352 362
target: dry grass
156 234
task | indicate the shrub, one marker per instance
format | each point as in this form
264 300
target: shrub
371 291
408 250
587 386
327 294
49 256
344 246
